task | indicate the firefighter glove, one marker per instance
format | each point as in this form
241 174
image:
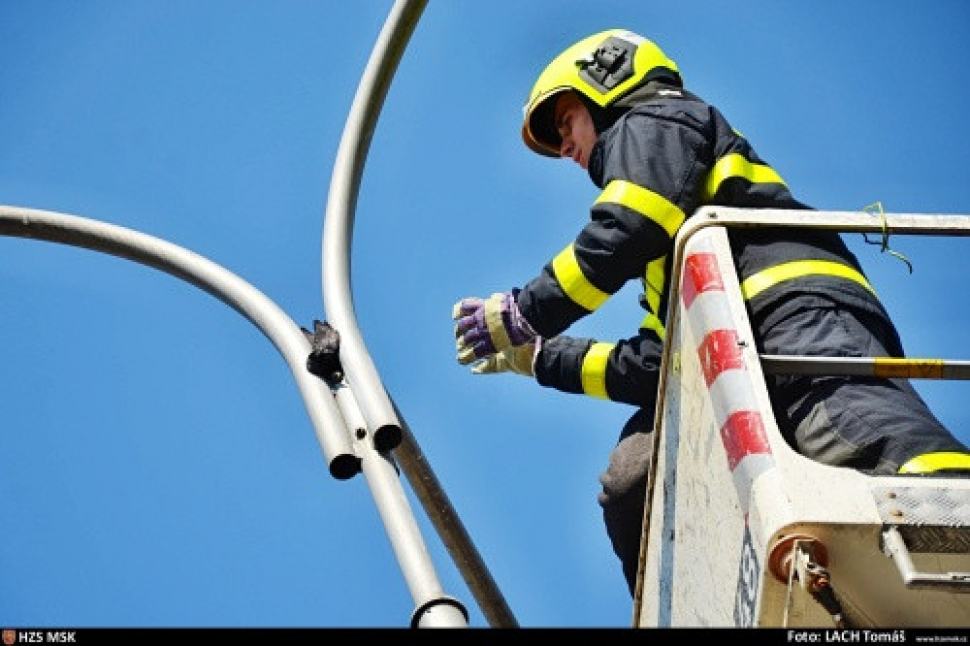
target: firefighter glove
519 359
484 327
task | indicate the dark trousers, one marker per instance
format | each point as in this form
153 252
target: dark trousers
624 490
872 424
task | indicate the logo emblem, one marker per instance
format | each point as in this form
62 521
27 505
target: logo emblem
9 636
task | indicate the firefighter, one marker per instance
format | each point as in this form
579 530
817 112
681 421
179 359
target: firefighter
616 105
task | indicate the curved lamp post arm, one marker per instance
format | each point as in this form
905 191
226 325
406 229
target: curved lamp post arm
380 416
375 405
324 414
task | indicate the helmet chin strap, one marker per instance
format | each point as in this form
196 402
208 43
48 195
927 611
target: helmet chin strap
602 118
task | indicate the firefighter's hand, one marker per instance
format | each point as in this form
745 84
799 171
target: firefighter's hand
520 360
485 327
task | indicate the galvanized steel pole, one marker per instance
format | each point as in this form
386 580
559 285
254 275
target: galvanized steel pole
379 427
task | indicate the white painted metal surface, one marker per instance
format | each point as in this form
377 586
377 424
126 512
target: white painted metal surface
729 497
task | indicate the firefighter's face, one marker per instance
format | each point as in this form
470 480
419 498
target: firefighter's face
575 127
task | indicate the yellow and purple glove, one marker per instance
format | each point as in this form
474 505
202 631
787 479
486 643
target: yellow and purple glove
485 327
519 359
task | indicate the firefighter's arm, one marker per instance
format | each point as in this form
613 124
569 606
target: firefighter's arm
625 371
651 168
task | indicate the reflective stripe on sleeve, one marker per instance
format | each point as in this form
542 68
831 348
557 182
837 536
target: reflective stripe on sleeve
650 205
594 369
735 165
574 283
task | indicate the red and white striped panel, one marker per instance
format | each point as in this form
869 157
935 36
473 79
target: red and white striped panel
729 382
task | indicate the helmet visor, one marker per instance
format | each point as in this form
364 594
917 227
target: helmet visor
539 130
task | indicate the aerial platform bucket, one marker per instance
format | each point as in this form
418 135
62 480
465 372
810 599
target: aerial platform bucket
741 530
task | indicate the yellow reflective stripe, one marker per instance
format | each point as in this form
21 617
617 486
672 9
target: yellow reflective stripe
650 205
574 283
593 372
920 368
735 165
652 322
653 284
759 282
930 462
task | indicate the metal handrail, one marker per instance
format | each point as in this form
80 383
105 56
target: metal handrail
887 367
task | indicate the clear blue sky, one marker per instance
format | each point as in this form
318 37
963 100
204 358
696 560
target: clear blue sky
159 467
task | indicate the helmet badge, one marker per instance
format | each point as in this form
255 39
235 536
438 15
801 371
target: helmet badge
609 65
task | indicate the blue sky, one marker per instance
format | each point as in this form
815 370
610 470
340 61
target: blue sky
159 467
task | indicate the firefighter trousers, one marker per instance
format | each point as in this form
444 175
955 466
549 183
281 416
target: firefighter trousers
871 424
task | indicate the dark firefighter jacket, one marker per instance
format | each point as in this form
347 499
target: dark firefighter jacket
660 161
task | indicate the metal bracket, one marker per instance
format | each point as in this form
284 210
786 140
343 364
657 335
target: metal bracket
803 559
894 546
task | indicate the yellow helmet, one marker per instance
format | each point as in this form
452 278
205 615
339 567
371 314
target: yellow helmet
602 68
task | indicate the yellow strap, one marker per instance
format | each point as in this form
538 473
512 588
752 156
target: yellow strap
735 165
759 282
930 462
916 368
650 205
593 372
574 283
